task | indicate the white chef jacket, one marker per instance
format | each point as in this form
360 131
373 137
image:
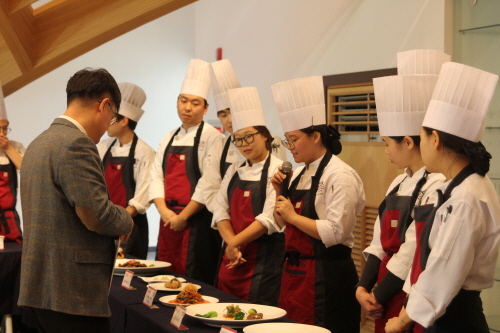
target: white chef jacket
17 146
144 157
339 198
210 182
400 262
250 173
464 249
209 136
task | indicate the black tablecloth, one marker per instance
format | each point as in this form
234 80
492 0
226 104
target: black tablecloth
10 270
130 315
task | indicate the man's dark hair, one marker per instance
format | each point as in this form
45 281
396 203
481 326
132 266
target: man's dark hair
131 124
90 83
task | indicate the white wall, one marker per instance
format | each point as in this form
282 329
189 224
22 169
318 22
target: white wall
272 41
266 41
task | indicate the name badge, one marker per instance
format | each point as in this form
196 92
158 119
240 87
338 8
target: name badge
127 279
149 297
298 204
119 167
246 193
176 321
6 174
182 157
394 223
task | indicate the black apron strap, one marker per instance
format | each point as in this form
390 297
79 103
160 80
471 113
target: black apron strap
383 204
263 182
197 139
131 162
108 156
315 183
222 164
165 154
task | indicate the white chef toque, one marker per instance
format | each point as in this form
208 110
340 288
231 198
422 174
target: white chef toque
460 101
133 98
197 80
401 103
300 102
223 78
402 99
3 110
421 62
246 110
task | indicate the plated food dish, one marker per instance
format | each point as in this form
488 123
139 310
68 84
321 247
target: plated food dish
160 278
170 300
217 314
188 296
161 287
284 328
151 267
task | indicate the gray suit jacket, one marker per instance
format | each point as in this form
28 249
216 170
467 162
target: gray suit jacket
65 266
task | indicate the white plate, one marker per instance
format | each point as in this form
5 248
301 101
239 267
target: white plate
269 312
161 287
164 300
160 278
284 328
158 266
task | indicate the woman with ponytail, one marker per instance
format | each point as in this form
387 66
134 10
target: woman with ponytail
319 213
401 104
458 236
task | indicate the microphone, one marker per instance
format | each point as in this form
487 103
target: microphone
286 169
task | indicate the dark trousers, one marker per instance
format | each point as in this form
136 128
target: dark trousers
49 321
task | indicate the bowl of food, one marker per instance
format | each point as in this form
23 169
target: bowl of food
139 267
235 315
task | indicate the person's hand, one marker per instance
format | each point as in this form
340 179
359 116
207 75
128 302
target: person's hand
235 256
398 324
278 179
4 142
285 208
369 303
177 223
166 215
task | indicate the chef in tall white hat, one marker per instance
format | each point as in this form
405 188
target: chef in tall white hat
11 156
319 212
244 208
127 164
459 246
402 101
185 237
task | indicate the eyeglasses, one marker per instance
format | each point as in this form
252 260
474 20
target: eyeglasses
249 138
5 130
290 144
115 114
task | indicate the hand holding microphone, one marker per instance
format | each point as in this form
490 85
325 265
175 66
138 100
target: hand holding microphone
286 169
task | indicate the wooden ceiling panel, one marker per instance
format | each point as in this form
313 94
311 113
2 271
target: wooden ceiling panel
61 30
8 65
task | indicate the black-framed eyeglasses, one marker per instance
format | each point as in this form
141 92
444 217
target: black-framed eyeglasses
249 138
5 130
290 144
115 114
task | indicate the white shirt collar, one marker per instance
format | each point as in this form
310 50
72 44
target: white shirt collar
76 123
190 129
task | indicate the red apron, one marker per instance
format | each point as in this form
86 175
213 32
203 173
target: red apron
464 313
318 282
10 225
395 218
193 251
119 176
258 280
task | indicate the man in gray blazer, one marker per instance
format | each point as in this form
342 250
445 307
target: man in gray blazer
69 222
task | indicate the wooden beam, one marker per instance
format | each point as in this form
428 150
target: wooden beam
17 31
66 29
12 6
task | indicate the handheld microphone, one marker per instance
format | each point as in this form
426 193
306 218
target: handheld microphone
286 169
